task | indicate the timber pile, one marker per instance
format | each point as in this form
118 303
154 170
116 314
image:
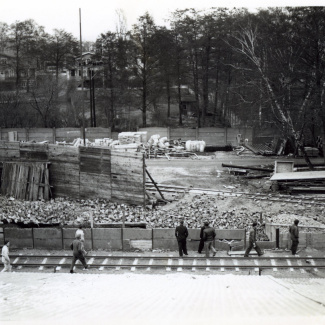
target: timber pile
261 149
132 137
25 181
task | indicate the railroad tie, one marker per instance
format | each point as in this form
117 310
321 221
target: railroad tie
135 262
222 262
300 264
289 263
256 263
120 263
194 264
170 262
103 263
273 264
180 263
313 263
236 263
150 263
43 262
208 264
58 268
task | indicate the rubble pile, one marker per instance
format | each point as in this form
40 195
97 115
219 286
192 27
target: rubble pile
305 222
201 207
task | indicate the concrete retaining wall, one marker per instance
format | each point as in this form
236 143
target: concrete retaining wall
306 239
143 239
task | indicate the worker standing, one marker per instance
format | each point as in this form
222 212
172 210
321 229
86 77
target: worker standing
181 234
252 241
209 234
201 244
294 235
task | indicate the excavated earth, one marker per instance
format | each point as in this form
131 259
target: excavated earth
192 177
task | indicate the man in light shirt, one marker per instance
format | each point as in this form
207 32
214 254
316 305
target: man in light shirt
80 233
5 257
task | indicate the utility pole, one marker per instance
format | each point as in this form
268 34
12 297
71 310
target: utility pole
82 84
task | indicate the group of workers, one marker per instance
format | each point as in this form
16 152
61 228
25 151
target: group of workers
207 236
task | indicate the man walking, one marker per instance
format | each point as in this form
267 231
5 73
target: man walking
209 234
201 244
77 247
294 235
252 241
5 257
181 234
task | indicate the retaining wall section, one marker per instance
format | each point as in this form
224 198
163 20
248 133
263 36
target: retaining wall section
143 239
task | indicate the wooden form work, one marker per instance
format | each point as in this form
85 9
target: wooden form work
80 173
26 181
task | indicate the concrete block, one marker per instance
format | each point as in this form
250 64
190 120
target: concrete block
137 234
49 238
107 238
165 244
230 234
224 246
19 237
141 244
266 244
165 233
318 240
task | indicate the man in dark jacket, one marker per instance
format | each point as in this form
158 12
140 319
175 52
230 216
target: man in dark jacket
181 234
201 244
209 234
77 247
294 235
252 242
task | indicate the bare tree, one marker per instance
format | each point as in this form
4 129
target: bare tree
250 47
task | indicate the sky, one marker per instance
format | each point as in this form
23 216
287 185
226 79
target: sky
99 16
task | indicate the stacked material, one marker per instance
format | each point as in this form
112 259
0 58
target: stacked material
132 137
195 146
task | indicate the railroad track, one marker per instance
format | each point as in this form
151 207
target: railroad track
282 198
171 263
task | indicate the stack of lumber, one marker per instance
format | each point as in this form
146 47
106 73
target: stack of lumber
25 181
132 137
260 149
311 152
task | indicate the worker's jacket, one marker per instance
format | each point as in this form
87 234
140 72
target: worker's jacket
209 234
294 232
252 236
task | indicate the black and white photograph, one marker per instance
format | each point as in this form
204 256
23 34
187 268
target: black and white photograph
162 162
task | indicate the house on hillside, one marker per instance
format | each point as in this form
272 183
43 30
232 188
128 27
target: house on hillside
88 64
7 71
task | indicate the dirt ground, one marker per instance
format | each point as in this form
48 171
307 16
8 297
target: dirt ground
206 172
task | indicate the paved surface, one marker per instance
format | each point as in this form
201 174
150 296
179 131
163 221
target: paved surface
48 298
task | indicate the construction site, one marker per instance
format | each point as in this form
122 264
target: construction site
128 194
143 180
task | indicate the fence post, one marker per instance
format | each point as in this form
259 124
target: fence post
196 133
0 134
277 238
27 134
168 133
54 135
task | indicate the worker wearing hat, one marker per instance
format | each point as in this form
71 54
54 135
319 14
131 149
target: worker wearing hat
181 234
294 235
252 241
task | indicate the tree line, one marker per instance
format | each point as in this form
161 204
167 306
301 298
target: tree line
264 68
